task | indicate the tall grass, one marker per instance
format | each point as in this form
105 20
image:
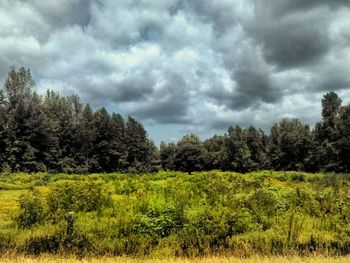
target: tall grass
254 259
173 214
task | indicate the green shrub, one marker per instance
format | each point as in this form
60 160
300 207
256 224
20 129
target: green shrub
175 214
76 196
42 244
32 209
6 244
298 177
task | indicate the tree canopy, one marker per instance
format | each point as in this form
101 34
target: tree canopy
62 134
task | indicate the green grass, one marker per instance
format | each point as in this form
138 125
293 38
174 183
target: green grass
255 259
173 214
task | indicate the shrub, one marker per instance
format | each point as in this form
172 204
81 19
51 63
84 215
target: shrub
298 177
76 196
42 244
32 209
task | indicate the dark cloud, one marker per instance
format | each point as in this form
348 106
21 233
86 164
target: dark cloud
165 112
169 105
334 79
292 41
198 65
64 12
285 7
252 87
221 14
294 44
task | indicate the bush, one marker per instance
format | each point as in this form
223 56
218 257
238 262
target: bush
32 209
6 244
76 196
298 177
42 244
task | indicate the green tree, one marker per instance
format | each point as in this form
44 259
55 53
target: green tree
137 145
102 123
343 143
25 123
257 143
167 155
214 147
189 155
291 143
325 155
118 147
52 107
237 156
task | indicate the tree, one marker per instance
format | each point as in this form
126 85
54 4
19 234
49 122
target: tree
257 143
102 124
331 104
138 146
24 135
325 155
167 155
87 137
343 143
290 145
189 155
237 156
53 109
118 147
215 149
2 129
62 134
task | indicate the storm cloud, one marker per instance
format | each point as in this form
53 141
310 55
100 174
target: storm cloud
184 65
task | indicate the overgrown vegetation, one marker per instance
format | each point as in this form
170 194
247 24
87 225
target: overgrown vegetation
175 214
212 259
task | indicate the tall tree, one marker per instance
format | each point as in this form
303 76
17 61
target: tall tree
86 136
189 155
257 143
214 147
138 146
25 123
291 143
237 156
53 110
2 129
326 153
102 123
343 143
118 146
167 155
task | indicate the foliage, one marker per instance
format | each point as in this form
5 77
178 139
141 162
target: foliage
60 134
291 145
176 214
32 209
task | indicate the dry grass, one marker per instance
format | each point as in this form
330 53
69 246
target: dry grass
257 259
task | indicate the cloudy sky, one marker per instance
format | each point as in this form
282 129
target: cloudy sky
184 66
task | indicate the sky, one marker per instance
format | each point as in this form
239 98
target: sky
184 66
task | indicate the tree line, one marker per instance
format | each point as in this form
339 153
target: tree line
290 145
61 134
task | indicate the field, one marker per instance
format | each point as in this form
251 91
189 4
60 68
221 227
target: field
219 216
49 259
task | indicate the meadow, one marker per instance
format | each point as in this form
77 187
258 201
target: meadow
255 259
218 216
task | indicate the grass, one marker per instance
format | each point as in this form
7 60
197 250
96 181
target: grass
254 259
172 215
